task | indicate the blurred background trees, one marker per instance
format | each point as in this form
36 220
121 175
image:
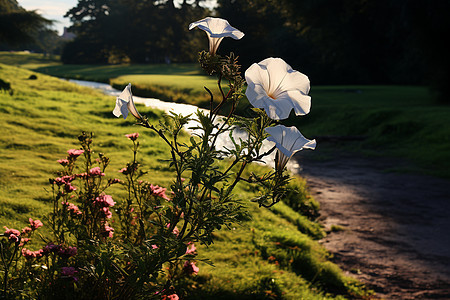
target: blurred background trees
21 29
333 41
138 31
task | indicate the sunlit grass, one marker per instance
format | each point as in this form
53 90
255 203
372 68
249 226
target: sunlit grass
392 121
175 88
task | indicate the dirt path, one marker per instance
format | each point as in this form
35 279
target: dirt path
397 226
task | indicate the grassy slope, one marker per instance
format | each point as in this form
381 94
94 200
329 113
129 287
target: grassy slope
397 121
274 254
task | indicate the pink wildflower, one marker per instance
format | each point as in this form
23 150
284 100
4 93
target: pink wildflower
8 231
123 170
28 254
69 188
175 231
104 201
190 268
170 297
107 212
109 231
63 180
96 172
154 247
27 230
75 152
73 209
82 175
35 224
14 238
63 162
58 181
23 241
115 180
159 191
191 249
132 136
68 178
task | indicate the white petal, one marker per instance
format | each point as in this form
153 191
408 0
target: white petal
121 108
217 28
297 81
278 109
300 102
276 87
289 140
133 110
126 93
277 70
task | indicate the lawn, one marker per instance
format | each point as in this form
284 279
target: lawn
275 254
393 121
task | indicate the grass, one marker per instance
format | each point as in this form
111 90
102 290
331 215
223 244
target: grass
391 121
272 255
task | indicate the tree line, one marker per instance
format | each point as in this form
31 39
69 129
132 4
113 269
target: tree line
136 31
333 41
21 29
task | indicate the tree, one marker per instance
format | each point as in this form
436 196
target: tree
350 41
131 30
18 25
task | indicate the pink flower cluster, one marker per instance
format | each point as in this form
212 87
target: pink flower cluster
72 156
191 249
35 224
104 202
132 136
72 208
28 254
66 181
12 234
159 191
190 268
74 153
50 248
170 297
64 162
175 231
96 171
128 169
108 230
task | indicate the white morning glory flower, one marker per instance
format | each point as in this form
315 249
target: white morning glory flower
275 87
216 29
288 140
125 104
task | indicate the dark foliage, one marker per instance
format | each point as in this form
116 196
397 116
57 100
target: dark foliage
349 41
133 31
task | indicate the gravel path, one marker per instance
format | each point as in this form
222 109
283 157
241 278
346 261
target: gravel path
396 227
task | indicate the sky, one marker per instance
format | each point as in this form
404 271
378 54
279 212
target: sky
51 9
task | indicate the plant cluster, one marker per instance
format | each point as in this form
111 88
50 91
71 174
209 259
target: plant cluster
137 245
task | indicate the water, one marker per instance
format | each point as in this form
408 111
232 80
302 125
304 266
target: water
186 109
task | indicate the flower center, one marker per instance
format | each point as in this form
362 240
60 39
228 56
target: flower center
271 96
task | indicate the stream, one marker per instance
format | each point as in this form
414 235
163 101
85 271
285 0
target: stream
186 109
